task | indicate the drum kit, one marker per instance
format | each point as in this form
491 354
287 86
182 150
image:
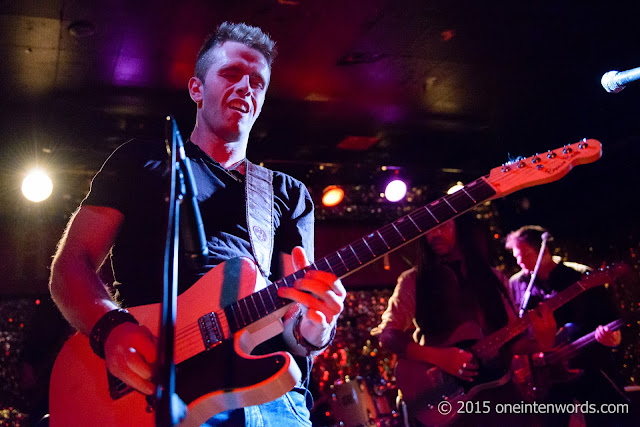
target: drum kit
359 403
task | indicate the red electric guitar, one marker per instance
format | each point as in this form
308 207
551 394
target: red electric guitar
216 332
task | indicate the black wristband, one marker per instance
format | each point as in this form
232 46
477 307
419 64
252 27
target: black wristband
105 325
302 341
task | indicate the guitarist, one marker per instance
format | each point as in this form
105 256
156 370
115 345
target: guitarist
124 215
586 313
451 284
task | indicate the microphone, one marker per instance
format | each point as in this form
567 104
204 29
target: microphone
193 239
614 81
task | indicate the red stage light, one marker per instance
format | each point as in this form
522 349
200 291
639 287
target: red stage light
332 195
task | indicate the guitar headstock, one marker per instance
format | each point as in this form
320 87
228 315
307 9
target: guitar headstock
542 168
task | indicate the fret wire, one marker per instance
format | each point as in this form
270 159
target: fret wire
393 238
264 306
447 202
254 306
341 260
348 258
328 265
469 195
414 223
456 199
384 241
244 322
363 253
271 297
407 228
339 265
288 280
333 263
441 210
377 243
368 247
233 315
431 213
355 254
425 219
279 302
248 310
398 231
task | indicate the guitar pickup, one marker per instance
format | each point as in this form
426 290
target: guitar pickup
210 330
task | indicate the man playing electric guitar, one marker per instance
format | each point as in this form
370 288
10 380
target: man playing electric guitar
452 295
588 312
248 211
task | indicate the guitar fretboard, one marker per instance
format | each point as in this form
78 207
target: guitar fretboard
363 251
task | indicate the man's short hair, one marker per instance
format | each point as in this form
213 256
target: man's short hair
530 234
250 36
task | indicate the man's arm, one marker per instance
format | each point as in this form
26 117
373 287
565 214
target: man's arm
75 286
83 299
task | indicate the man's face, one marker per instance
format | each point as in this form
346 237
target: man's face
525 255
230 98
442 239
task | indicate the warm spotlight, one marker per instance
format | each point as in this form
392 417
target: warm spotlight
37 185
332 195
457 187
395 191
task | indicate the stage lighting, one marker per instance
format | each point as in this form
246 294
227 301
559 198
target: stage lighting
457 187
37 185
396 190
332 195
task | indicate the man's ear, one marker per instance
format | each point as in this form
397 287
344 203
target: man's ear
195 90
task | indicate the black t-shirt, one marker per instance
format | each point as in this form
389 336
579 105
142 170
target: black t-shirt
135 181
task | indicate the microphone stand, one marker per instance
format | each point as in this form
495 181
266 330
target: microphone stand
534 274
169 407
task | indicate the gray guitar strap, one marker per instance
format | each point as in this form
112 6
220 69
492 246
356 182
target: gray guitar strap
259 202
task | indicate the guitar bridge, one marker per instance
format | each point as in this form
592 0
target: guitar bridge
210 330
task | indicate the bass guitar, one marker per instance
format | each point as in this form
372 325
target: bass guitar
425 387
216 330
552 366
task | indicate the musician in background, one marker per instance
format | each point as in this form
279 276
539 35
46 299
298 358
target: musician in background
124 216
452 284
586 313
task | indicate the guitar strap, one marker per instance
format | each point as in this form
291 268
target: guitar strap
259 203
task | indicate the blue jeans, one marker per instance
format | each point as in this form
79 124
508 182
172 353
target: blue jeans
288 410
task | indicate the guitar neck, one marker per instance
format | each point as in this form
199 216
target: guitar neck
359 253
363 251
570 350
503 180
487 347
